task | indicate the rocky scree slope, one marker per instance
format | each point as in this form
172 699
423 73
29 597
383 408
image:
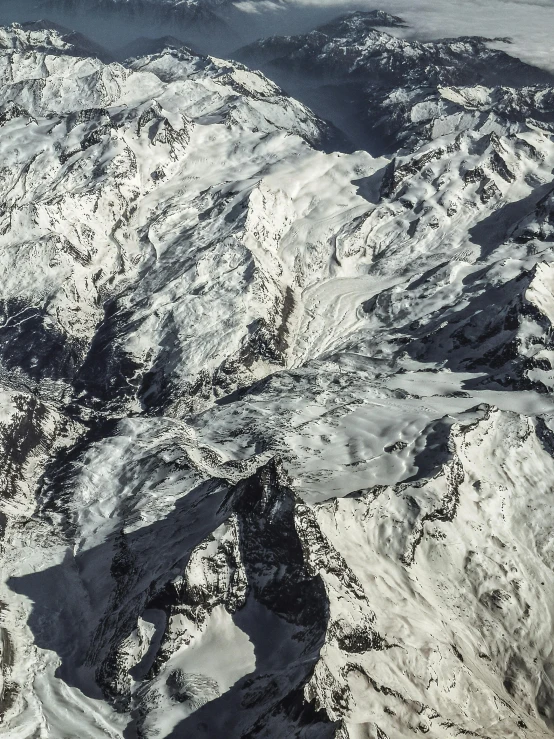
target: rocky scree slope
277 426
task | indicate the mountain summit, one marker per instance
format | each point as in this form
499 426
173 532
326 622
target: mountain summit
276 421
369 82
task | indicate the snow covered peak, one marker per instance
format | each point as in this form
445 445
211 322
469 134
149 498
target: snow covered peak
374 85
354 46
276 422
357 22
46 36
19 38
186 14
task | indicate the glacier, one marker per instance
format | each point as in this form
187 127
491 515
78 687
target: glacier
276 418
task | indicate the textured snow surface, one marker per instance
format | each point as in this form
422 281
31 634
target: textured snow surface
276 422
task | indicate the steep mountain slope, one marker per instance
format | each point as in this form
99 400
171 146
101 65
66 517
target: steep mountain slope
276 426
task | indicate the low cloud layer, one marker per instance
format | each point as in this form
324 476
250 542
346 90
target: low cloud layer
529 23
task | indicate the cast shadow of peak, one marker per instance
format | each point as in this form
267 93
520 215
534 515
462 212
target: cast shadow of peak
83 601
369 188
495 229
88 604
270 700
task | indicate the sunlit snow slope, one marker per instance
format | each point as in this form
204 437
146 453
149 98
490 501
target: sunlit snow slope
276 423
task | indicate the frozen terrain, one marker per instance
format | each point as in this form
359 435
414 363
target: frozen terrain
220 26
276 420
377 87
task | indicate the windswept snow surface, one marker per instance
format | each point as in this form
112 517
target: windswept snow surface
276 422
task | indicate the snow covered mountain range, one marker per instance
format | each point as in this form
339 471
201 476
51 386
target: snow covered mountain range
381 87
276 421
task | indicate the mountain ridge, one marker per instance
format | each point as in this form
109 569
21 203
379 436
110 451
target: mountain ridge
379 67
276 420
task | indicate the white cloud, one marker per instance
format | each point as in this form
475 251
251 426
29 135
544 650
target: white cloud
530 23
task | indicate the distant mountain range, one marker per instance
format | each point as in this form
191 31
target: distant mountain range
385 89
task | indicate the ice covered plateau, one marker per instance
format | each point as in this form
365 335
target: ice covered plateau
276 421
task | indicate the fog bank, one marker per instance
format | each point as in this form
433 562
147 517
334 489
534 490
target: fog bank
529 24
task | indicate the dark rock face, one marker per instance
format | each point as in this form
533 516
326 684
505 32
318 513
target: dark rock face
272 553
21 437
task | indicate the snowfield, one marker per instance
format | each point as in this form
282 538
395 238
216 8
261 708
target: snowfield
276 420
